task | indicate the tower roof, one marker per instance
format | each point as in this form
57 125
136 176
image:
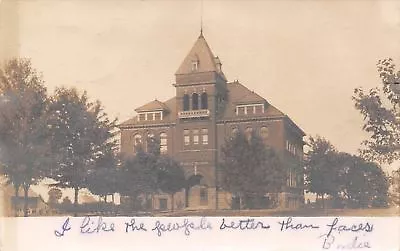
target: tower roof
202 54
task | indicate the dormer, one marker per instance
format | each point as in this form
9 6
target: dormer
153 111
248 102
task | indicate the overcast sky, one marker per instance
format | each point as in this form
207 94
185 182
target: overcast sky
304 57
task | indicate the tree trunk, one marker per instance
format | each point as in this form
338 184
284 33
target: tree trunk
26 189
76 190
16 187
105 198
240 202
112 198
187 189
172 202
152 202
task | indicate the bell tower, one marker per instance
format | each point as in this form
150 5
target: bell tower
200 91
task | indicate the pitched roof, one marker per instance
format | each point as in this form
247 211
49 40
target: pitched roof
168 117
201 53
239 94
154 105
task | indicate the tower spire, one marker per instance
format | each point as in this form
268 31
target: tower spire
201 19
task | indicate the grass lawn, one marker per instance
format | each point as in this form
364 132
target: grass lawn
309 212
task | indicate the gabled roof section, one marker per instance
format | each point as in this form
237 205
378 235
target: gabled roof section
238 94
242 95
201 53
169 117
154 105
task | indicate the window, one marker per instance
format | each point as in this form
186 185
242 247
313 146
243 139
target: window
204 101
292 179
235 131
196 137
204 133
157 116
142 116
163 142
203 196
240 110
195 101
264 132
259 109
249 110
195 65
248 132
150 142
186 137
163 204
137 141
186 102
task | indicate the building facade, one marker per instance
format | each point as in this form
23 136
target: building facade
193 125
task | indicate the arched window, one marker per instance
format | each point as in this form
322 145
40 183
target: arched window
195 101
248 132
235 131
186 102
264 132
137 141
204 101
163 142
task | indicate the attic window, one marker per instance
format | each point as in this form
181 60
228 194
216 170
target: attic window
195 65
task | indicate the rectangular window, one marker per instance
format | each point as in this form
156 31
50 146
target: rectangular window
163 204
204 133
249 110
196 139
203 196
196 136
195 65
157 116
142 116
259 109
163 145
186 137
240 110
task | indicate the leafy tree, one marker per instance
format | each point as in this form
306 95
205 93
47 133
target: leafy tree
395 183
366 185
323 167
139 174
380 108
149 172
171 177
23 142
250 168
103 179
344 177
55 194
81 135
